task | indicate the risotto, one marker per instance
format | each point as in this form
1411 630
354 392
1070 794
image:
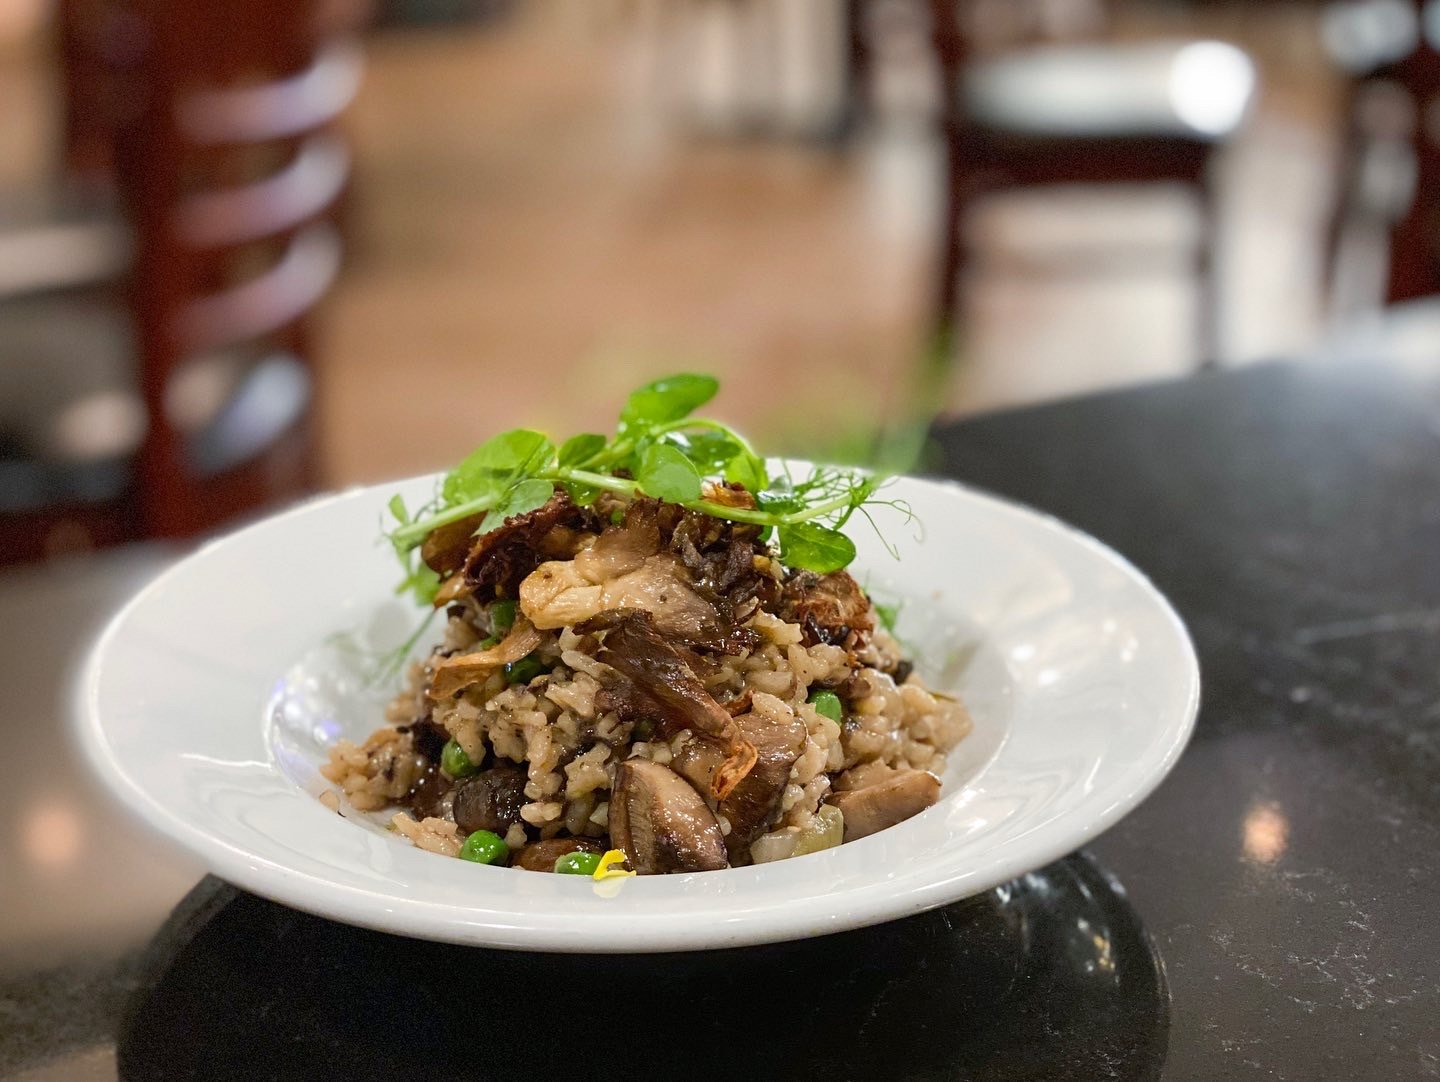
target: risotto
630 684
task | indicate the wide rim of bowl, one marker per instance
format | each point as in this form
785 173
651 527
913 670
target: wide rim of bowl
890 896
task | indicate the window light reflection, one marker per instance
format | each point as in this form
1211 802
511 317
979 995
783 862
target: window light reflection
1210 84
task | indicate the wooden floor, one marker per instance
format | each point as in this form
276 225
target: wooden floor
533 242
538 229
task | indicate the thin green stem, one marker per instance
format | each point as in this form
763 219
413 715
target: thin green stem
709 507
594 480
767 518
411 534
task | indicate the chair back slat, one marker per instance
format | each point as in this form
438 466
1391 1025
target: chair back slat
277 110
231 164
286 200
266 304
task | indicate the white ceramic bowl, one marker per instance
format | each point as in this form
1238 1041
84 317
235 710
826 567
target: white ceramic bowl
207 704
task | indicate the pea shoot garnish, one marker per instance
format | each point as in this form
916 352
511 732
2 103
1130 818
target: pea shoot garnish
659 450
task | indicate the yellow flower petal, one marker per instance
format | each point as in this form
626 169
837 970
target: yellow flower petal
606 868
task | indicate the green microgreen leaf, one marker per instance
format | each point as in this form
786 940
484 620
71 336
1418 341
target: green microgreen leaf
581 495
667 474
661 451
421 583
523 497
779 501
811 547
709 451
578 450
665 400
747 469
490 469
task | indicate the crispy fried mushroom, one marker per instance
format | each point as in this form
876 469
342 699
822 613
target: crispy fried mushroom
653 679
501 558
459 672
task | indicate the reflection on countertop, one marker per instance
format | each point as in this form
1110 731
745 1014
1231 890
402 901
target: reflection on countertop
1050 976
83 886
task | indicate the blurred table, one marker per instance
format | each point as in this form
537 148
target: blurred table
1270 911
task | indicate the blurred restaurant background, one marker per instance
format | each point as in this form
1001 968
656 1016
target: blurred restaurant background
252 248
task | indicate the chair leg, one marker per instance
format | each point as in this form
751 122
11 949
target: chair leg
1207 306
855 72
1415 248
1347 207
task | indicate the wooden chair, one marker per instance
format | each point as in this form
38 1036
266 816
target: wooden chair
218 125
70 421
231 168
1106 113
1388 201
1414 81
1415 245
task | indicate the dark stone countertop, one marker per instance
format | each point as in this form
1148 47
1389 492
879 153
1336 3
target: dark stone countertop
1268 912
1289 869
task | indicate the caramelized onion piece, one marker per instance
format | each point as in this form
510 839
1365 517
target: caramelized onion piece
728 495
452 589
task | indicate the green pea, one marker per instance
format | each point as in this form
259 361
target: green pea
485 847
524 670
455 762
577 863
502 616
827 705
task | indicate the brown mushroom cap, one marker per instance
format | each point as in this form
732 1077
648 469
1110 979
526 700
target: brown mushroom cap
541 856
428 796
755 801
897 798
661 822
491 800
